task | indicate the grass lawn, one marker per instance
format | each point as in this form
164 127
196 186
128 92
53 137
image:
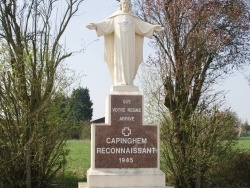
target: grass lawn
78 162
244 143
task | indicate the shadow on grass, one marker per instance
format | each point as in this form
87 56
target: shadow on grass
67 180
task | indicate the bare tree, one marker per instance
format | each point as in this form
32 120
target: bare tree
203 42
31 55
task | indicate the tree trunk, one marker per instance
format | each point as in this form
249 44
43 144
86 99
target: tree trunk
28 169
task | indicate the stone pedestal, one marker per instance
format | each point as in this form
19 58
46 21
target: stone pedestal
126 178
124 151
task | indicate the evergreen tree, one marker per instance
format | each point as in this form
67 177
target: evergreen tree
81 111
81 105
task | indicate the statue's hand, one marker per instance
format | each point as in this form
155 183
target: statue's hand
91 26
159 28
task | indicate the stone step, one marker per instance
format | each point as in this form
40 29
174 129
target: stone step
85 185
126 178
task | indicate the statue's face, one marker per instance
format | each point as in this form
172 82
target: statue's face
125 6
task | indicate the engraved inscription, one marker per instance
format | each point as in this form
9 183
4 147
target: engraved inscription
126 109
127 119
119 109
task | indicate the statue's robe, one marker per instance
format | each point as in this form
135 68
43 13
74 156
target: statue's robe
123 39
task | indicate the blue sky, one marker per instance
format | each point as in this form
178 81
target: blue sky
91 64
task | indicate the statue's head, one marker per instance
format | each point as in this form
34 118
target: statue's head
123 2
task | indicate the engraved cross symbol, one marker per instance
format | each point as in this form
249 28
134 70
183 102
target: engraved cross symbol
126 131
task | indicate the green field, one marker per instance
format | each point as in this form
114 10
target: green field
244 143
78 160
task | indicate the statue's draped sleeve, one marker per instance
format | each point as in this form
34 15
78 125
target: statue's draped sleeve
106 29
142 29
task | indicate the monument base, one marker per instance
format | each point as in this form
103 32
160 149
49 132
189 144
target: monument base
131 89
125 178
85 185
125 152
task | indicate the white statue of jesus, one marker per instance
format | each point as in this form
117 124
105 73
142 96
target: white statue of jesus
123 35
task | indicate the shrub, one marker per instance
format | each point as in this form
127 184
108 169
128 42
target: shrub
231 171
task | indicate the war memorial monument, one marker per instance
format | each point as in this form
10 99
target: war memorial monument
124 150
